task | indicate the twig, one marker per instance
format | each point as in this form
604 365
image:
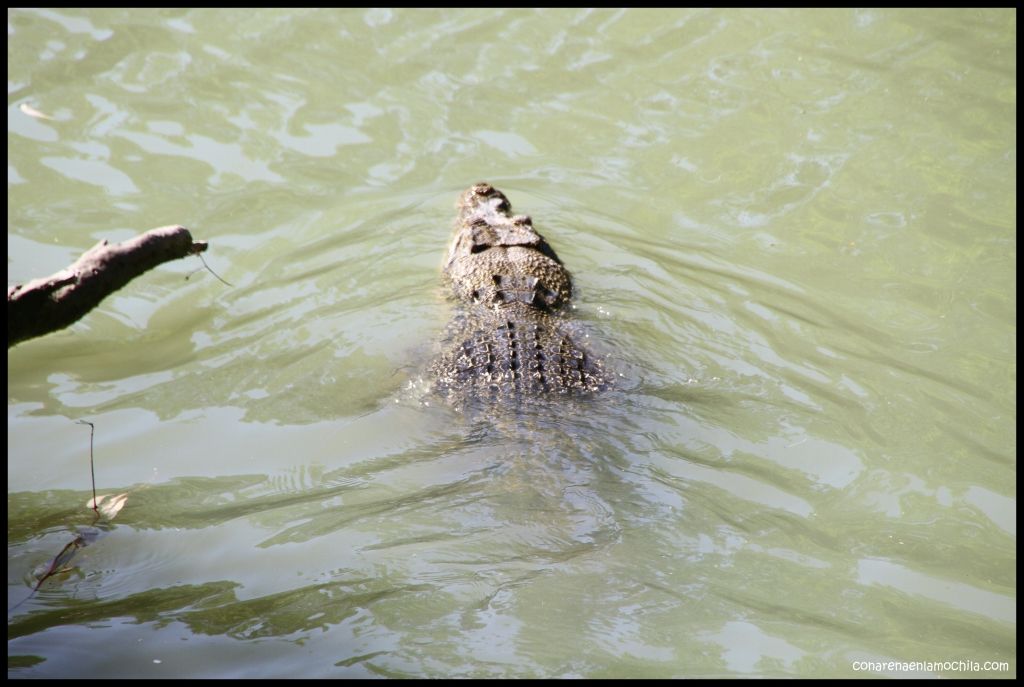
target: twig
92 464
208 269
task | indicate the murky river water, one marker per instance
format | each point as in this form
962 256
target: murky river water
793 233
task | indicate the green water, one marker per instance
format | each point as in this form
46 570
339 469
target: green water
793 234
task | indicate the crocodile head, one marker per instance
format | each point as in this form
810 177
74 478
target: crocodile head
498 259
507 343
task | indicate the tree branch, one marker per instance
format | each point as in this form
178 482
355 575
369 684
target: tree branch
52 303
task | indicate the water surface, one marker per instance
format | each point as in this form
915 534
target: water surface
793 232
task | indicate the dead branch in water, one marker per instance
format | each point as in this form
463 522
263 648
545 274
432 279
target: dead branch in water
102 507
52 303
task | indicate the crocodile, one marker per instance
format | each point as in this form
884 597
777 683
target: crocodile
509 338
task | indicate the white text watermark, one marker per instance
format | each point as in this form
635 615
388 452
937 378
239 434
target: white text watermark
958 666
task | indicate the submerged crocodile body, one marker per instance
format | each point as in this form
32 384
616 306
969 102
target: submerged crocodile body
509 340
